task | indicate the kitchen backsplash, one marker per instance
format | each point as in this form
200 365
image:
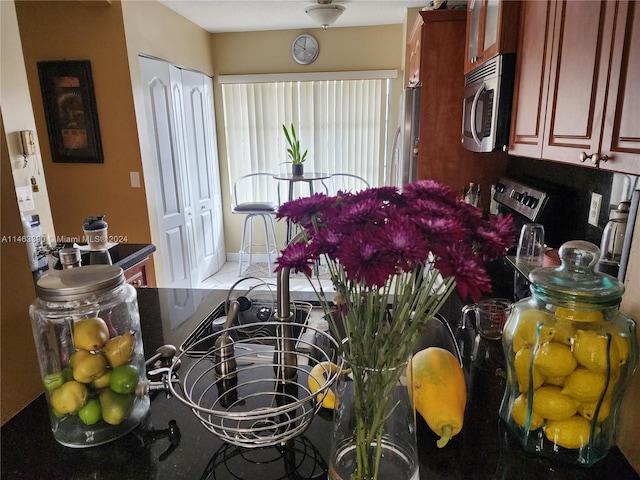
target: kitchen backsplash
571 187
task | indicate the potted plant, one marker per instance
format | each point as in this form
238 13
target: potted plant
294 151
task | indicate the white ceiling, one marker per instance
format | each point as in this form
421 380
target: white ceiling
253 15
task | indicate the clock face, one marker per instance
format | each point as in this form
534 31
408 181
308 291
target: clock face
304 49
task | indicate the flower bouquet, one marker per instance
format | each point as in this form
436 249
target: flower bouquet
394 258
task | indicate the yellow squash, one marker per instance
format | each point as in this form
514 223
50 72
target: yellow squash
318 378
439 391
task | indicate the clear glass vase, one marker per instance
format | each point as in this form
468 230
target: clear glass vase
374 433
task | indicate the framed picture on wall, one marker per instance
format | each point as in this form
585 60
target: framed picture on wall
70 111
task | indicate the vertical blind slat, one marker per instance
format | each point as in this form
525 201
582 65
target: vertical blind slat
341 122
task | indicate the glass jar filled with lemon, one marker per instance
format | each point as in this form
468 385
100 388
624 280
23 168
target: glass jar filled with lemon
86 327
570 354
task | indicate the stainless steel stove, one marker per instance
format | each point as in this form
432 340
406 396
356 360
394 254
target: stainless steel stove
523 199
526 204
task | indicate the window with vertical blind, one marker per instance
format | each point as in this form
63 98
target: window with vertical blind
341 118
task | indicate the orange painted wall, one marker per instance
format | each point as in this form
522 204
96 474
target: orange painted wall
89 31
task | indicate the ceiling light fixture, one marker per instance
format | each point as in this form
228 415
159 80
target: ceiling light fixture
325 13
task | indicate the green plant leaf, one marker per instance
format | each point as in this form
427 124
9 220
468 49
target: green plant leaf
294 146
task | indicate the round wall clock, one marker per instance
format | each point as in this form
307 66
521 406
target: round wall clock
304 49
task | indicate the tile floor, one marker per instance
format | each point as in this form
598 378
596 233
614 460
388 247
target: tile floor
300 287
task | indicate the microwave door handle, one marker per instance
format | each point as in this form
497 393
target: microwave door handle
474 107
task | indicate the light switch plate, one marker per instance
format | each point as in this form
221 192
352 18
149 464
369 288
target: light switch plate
594 209
25 198
135 179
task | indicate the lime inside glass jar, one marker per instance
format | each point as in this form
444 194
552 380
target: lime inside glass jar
86 328
570 354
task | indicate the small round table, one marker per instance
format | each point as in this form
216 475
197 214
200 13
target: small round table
309 178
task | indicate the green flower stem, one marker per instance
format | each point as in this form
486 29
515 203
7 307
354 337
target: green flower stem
374 359
382 322
382 327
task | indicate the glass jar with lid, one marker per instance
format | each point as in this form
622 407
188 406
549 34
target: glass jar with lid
86 328
570 354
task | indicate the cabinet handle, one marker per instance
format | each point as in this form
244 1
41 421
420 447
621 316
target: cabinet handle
595 158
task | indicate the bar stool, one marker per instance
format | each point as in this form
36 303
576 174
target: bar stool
346 182
244 188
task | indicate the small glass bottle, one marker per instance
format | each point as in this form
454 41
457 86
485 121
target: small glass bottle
323 342
570 354
86 328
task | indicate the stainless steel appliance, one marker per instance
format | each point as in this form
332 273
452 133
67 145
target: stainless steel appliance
523 199
526 204
36 249
628 235
486 112
612 240
403 165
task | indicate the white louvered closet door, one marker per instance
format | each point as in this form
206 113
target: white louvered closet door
203 177
184 173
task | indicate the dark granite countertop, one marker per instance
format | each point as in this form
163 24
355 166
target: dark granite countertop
126 255
123 255
483 450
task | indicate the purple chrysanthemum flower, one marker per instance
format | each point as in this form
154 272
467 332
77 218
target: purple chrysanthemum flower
297 257
375 233
503 225
327 242
354 215
363 262
440 229
430 189
386 194
458 261
402 243
303 209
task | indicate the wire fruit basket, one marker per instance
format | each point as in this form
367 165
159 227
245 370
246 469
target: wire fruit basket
264 399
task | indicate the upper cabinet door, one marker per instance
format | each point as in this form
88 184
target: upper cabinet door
576 95
472 53
621 132
581 52
492 28
414 47
532 70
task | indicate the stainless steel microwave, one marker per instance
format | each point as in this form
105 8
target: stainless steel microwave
486 113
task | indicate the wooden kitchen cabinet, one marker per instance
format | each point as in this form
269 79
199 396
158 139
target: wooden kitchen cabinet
138 275
533 61
574 98
492 28
621 135
441 156
412 62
